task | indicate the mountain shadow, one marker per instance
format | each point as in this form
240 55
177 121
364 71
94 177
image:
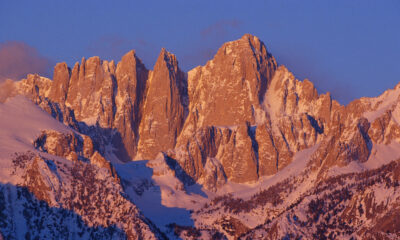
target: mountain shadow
23 216
136 178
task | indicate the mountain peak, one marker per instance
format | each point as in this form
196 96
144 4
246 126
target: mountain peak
249 37
163 51
247 43
166 56
131 52
167 59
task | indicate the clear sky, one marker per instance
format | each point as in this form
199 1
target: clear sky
351 48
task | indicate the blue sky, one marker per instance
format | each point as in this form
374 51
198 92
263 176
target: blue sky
351 48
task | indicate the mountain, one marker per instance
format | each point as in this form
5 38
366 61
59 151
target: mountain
237 148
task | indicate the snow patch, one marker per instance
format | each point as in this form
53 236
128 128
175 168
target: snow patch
382 103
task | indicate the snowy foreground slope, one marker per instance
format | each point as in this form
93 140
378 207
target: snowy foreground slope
235 149
50 197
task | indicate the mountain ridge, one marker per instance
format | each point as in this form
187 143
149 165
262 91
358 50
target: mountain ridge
239 143
208 96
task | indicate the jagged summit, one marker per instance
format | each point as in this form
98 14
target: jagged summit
146 112
168 59
239 145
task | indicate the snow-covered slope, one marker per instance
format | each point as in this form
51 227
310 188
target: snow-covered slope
21 123
46 196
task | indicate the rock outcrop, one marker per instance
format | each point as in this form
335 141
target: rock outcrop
68 145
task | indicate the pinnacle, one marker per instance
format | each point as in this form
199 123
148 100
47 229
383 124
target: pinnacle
167 57
248 36
130 57
130 53
64 64
165 53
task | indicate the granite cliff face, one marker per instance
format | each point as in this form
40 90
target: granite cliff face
165 107
239 120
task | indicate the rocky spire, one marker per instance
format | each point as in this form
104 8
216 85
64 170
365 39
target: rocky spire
164 110
60 84
131 76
